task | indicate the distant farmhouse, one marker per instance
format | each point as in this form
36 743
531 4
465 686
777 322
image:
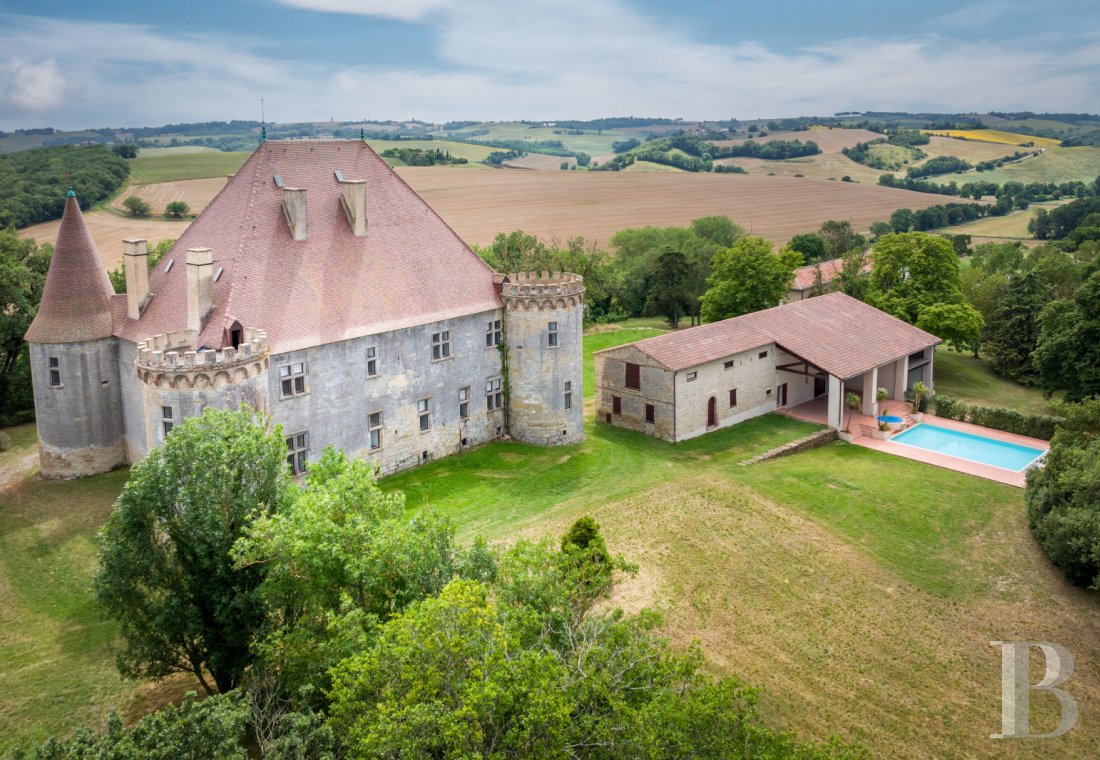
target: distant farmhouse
683 384
319 288
807 285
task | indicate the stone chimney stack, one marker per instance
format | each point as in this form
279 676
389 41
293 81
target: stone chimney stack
353 197
294 206
135 256
200 287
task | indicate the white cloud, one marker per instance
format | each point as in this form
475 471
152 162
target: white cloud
402 10
555 59
974 15
36 87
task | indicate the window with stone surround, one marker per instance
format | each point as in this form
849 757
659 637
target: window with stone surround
424 409
650 413
441 345
297 452
494 395
464 403
55 372
733 397
552 335
492 333
568 394
166 419
633 376
292 380
372 361
374 425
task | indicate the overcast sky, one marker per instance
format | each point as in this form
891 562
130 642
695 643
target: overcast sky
119 63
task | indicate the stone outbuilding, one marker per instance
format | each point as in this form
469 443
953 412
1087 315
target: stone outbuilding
318 288
683 384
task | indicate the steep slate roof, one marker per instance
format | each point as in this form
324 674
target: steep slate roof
835 332
76 299
409 269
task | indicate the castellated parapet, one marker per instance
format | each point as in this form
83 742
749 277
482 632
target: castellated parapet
179 382
544 322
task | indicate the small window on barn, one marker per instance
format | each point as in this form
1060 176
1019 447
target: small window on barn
762 355
633 376
733 397
616 405
691 376
728 364
650 413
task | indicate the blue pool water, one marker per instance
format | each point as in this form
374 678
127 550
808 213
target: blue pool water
975 448
890 418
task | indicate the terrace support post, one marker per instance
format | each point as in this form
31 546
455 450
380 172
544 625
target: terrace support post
870 385
929 373
836 403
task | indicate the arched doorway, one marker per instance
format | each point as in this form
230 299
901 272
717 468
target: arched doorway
712 412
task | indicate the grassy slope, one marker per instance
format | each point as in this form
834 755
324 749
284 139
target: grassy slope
855 588
964 377
471 153
1053 165
589 142
147 170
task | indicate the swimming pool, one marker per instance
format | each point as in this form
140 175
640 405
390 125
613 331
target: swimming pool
974 448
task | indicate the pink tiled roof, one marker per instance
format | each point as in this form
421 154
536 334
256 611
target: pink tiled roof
76 299
409 269
804 276
839 334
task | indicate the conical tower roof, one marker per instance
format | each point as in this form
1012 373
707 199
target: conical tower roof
76 300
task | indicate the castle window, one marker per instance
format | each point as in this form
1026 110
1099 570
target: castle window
464 403
293 379
691 376
552 335
55 372
372 362
424 409
616 405
441 345
297 452
568 394
728 364
733 397
494 397
374 424
166 419
633 376
492 333
650 413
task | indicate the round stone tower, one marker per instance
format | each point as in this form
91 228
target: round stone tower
543 326
74 359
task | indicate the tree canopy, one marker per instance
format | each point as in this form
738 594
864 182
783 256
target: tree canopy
911 271
748 277
33 182
23 267
165 573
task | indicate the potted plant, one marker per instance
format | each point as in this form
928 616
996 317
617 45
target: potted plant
851 401
883 431
920 394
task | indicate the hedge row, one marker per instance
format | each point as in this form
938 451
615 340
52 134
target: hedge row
1008 420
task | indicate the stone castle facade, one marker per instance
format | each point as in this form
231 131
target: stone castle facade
344 309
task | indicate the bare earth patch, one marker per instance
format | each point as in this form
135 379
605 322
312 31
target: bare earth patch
109 230
196 193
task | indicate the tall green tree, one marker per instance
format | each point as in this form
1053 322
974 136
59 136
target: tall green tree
748 277
23 267
912 271
1067 351
810 245
1012 331
165 571
1063 496
720 230
840 238
669 290
958 324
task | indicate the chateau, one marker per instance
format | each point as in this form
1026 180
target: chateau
320 289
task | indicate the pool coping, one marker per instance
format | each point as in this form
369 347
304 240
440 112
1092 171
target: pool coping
1042 452
989 472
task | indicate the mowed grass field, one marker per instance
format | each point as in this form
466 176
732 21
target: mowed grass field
172 167
858 591
1052 165
969 379
995 136
596 205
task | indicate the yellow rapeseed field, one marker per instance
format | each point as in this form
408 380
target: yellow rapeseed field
995 136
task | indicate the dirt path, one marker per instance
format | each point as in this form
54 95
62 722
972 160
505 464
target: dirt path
14 470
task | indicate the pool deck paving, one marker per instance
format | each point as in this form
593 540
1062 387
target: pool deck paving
814 411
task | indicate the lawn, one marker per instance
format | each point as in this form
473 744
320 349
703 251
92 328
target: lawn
147 170
962 376
858 590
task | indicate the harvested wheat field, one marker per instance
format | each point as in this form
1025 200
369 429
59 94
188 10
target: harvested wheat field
829 140
196 193
970 150
541 162
109 230
596 205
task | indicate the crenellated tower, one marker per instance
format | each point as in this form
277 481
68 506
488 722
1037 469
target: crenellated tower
544 322
74 358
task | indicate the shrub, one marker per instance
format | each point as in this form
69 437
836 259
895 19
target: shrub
136 206
998 418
